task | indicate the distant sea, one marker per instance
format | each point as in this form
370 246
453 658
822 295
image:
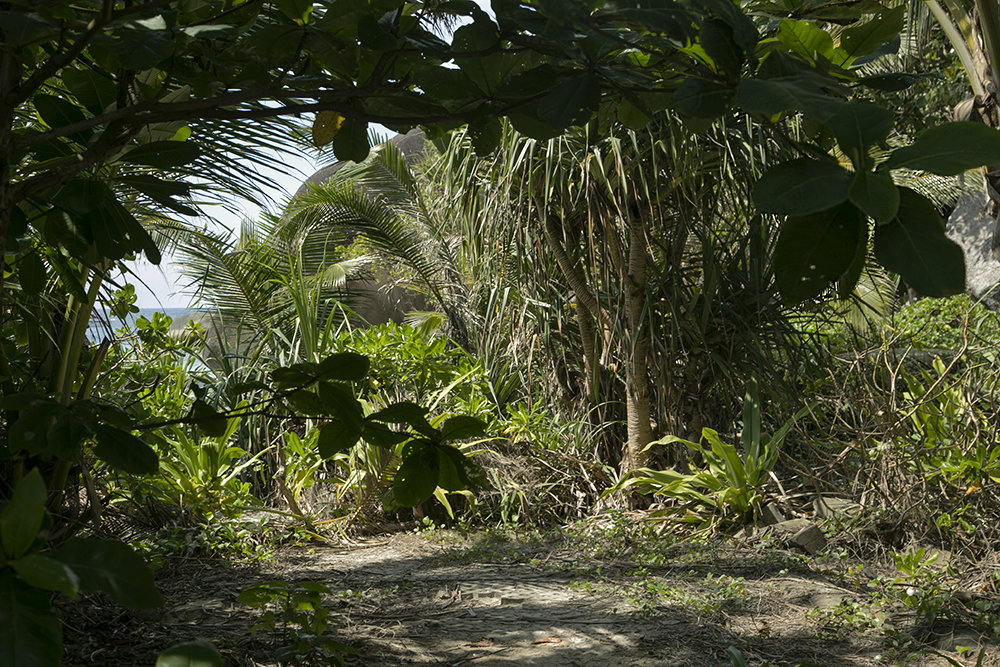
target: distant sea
102 325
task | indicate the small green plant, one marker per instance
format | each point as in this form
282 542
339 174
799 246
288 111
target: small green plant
846 617
296 610
714 594
233 539
921 586
201 474
728 484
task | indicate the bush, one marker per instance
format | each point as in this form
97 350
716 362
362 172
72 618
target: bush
944 323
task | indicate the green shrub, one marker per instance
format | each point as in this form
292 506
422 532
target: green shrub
940 323
408 365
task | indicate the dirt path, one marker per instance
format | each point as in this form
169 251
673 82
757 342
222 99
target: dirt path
409 600
429 604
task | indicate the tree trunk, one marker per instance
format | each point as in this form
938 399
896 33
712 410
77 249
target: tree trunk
640 432
587 307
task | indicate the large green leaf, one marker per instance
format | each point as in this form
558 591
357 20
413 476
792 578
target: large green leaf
210 421
461 427
862 39
190 654
338 399
632 116
31 274
30 632
571 102
452 469
374 35
875 193
381 435
22 517
404 412
306 402
806 39
124 451
417 476
702 98
94 90
949 149
849 279
47 574
744 32
485 134
297 10
162 154
785 83
476 39
716 37
801 187
111 567
915 246
351 140
338 436
23 28
138 45
814 250
858 126
345 366
161 191
57 112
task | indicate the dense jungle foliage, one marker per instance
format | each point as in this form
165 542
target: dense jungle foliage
650 255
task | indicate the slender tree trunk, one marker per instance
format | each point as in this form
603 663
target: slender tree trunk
640 432
588 338
587 306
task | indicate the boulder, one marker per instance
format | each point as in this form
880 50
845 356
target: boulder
971 227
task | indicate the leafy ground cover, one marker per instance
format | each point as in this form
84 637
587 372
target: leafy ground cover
604 591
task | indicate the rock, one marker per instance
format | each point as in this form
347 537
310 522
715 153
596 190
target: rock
791 526
971 227
953 641
771 515
826 599
810 538
828 507
802 533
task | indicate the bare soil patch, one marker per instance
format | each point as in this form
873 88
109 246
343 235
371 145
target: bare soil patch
450 599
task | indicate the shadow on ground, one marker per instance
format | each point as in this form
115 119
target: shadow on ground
406 600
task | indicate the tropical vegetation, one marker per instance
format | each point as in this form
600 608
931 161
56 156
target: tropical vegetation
636 233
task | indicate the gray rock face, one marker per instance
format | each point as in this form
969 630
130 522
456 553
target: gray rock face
411 145
972 228
378 302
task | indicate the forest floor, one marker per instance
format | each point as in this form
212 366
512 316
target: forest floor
481 598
